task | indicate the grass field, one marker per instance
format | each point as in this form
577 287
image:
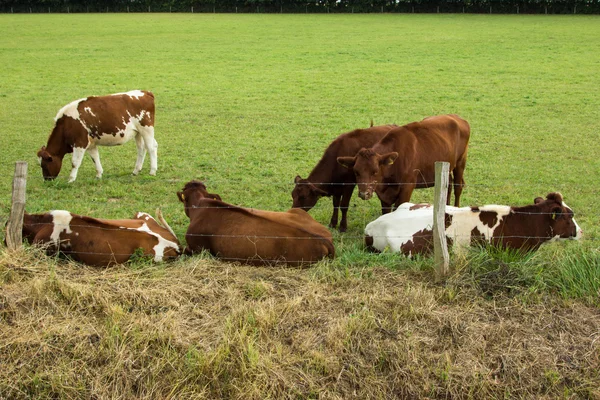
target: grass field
247 102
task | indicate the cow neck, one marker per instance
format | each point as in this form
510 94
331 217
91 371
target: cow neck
519 222
57 145
322 174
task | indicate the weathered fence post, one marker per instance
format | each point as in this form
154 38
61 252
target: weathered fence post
14 228
440 248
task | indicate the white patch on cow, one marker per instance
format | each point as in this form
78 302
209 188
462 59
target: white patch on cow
464 221
163 244
70 110
89 111
61 220
132 93
393 230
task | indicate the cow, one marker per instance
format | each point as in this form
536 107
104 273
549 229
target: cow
408 229
85 124
251 236
101 242
404 160
328 178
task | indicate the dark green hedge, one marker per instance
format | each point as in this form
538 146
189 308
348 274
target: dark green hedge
304 6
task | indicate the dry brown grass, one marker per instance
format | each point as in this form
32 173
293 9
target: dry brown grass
203 329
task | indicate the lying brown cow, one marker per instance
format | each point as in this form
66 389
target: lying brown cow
405 158
101 242
328 178
251 236
409 228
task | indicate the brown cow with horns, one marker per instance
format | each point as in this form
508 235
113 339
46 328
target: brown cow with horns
404 160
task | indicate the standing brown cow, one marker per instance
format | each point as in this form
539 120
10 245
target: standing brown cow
404 160
328 178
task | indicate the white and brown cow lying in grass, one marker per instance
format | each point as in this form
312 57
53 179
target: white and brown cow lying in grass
85 124
251 236
101 242
409 229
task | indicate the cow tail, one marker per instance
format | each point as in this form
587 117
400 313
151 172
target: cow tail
163 222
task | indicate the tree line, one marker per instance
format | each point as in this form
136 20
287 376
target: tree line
305 6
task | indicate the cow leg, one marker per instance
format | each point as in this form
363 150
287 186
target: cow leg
141 154
459 181
450 184
93 152
385 207
78 153
346 196
147 133
334 216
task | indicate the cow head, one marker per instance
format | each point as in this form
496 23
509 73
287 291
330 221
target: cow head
560 217
50 164
305 195
192 193
368 167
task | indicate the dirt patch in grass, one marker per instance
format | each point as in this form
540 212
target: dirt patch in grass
203 329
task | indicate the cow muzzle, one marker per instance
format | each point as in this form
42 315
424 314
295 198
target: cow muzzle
365 195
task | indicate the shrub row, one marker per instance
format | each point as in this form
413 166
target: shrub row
306 6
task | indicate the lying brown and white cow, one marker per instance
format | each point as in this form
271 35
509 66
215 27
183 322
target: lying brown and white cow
409 228
251 236
85 124
404 160
101 242
329 178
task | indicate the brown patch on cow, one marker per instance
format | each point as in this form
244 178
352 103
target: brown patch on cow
447 220
419 206
421 243
477 238
489 218
122 134
369 244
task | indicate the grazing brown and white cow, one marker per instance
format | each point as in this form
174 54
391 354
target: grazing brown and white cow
101 242
409 228
404 160
85 124
329 178
252 236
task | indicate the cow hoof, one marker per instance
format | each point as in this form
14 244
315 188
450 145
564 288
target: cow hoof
153 173
135 173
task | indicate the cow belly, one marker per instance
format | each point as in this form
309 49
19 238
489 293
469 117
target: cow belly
114 139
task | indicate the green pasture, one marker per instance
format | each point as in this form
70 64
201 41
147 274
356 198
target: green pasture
247 102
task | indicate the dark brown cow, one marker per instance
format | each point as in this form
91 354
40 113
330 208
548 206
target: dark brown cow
85 124
405 158
101 242
408 228
252 236
328 178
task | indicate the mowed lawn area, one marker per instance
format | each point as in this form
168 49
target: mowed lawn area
246 103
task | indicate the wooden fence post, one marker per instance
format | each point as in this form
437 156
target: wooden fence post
14 228
440 247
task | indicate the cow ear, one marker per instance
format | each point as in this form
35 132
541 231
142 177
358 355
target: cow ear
317 191
215 196
347 162
44 155
388 159
556 212
297 179
181 197
537 200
